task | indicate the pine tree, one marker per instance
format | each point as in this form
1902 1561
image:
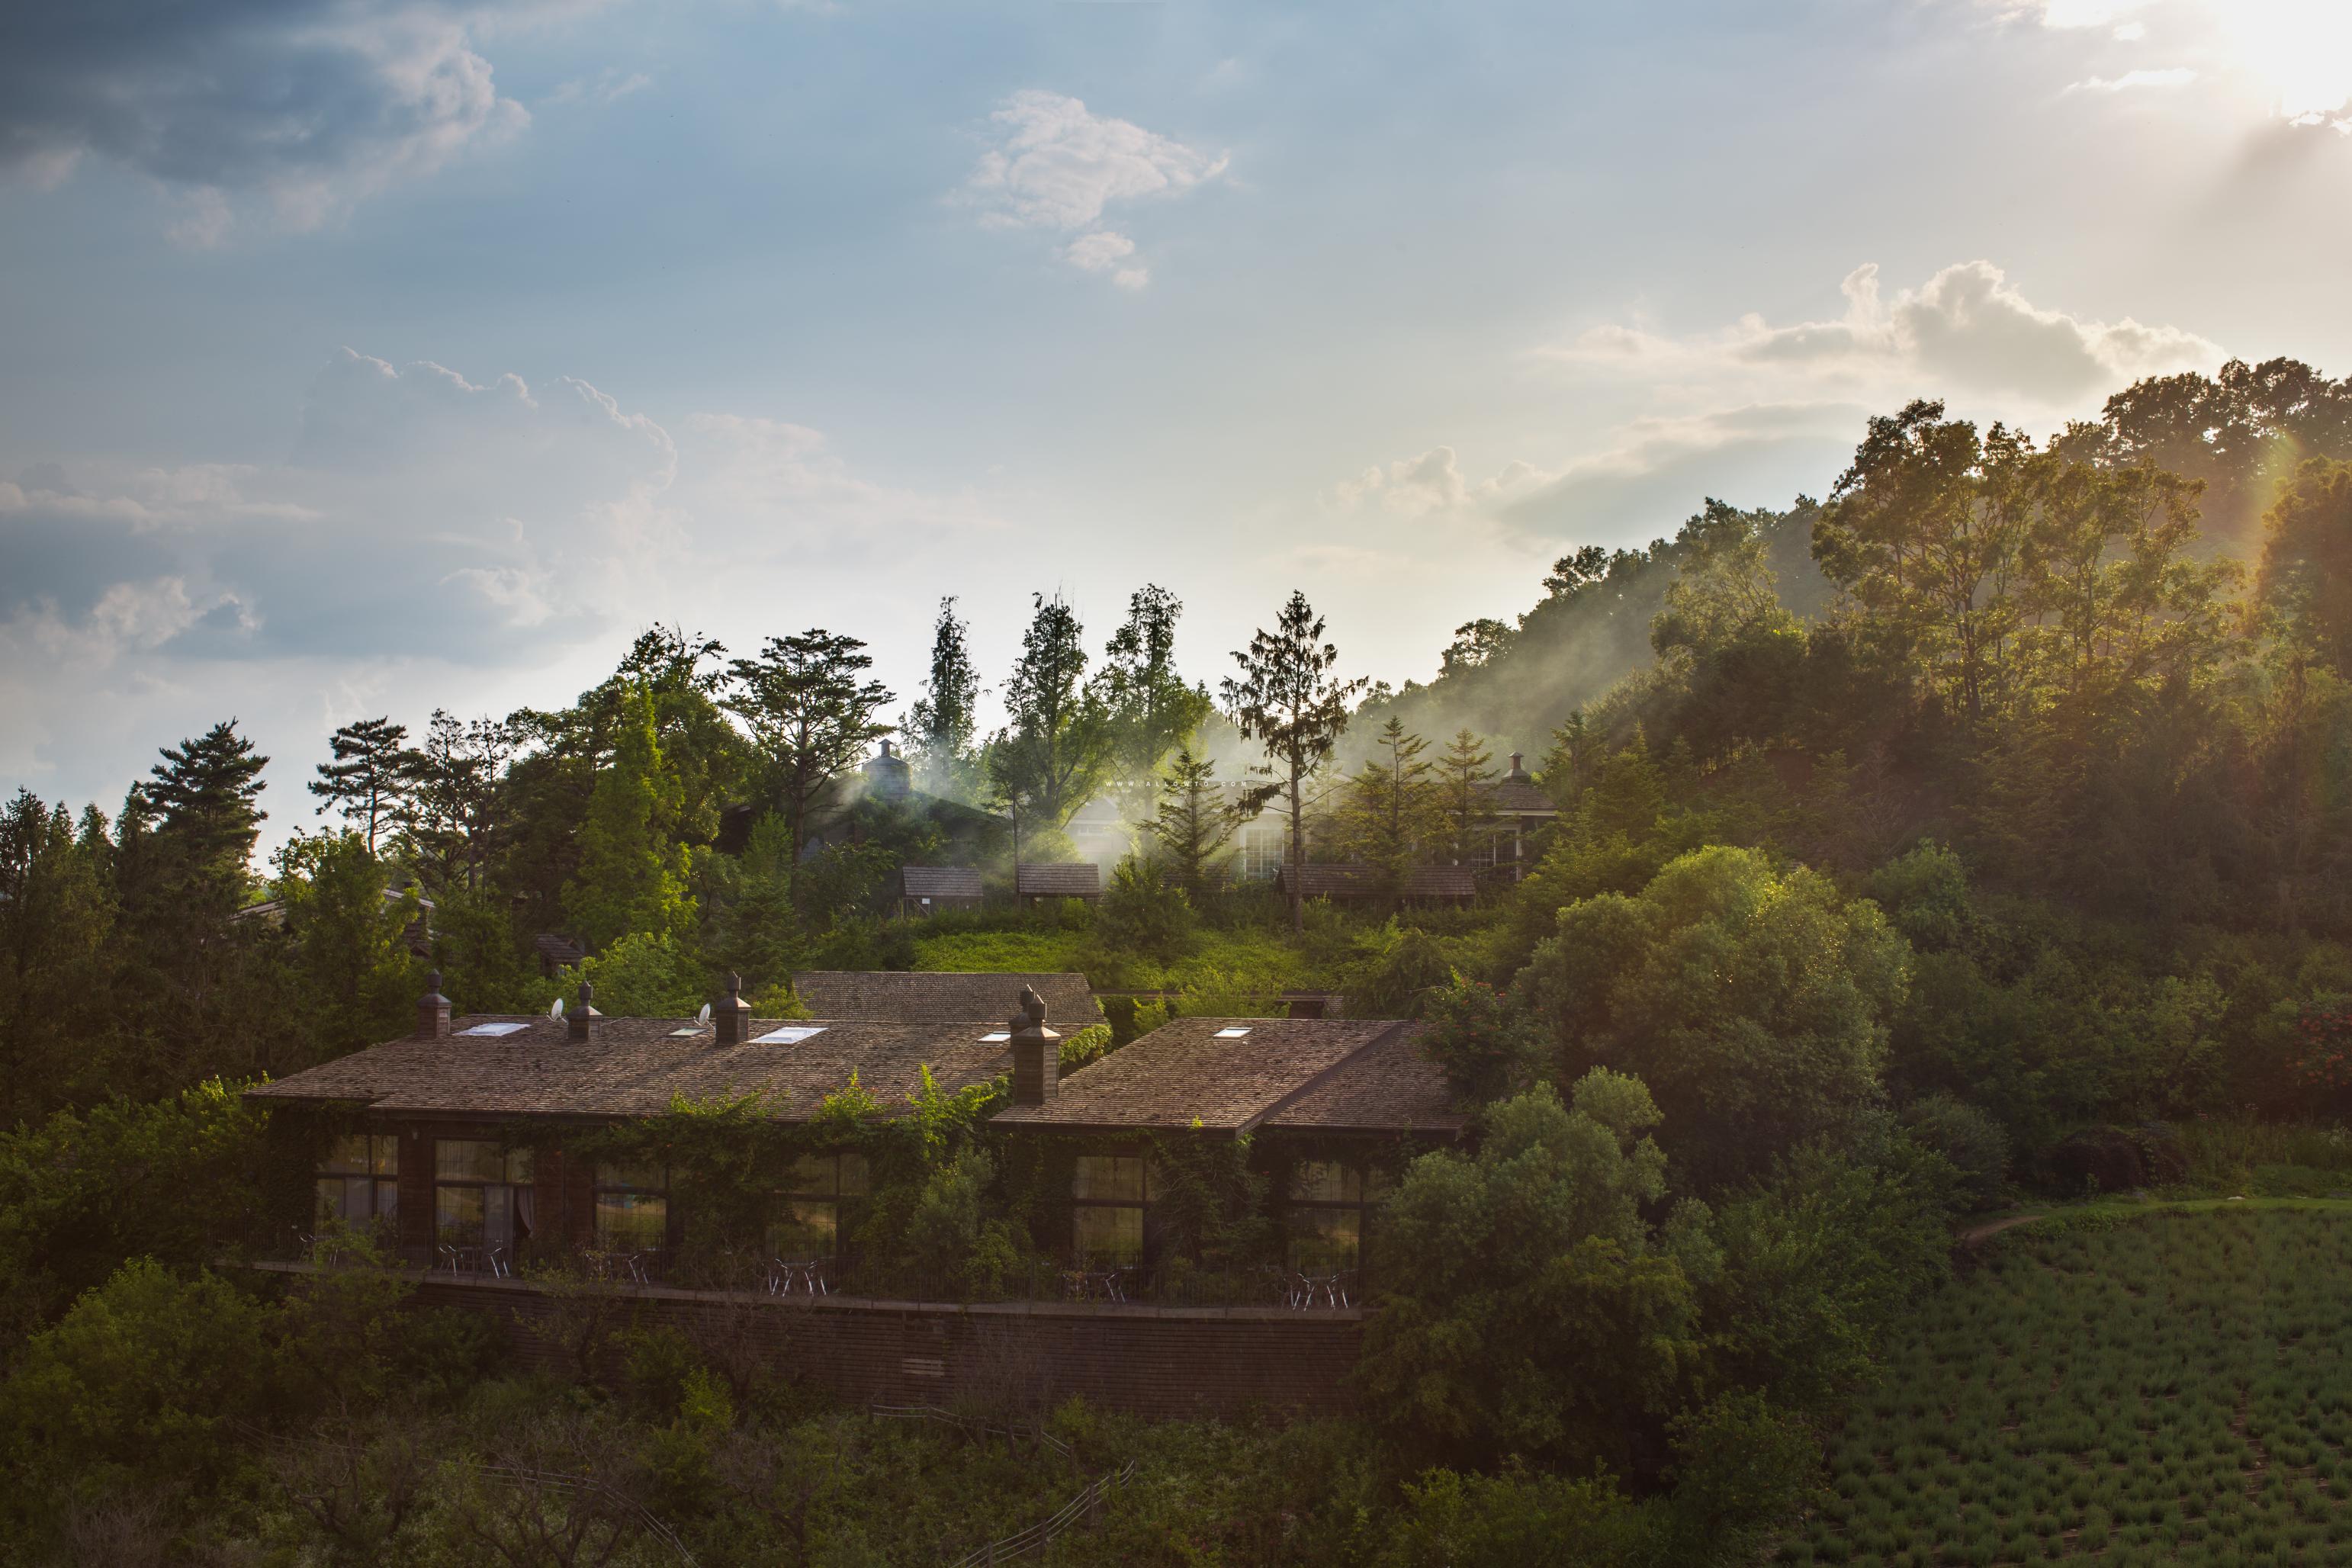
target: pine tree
1463 772
56 921
1290 703
371 779
1193 822
1055 751
940 726
631 878
1145 702
1393 811
456 818
810 714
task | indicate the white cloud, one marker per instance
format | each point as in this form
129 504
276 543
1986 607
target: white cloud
2170 75
1058 165
1967 328
607 87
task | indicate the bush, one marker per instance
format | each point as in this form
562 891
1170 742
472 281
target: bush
1407 968
1144 912
1485 1048
1971 1140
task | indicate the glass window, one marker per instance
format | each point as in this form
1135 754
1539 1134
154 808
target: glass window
1327 1182
481 1194
1326 1240
805 1227
631 1207
358 1179
1107 1233
1111 1178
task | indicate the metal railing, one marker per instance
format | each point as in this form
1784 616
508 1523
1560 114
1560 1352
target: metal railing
1079 1511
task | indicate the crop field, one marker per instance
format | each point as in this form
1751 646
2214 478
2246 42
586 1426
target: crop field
2171 1389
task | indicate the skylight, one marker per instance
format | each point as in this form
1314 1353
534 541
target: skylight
689 1032
1236 1033
997 1038
495 1029
791 1034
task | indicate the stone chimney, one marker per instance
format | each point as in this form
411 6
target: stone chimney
732 1017
584 1018
1518 773
433 1010
1036 1053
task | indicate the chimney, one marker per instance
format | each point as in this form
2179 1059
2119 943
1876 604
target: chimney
1518 773
433 1010
1036 1053
731 1015
584 1017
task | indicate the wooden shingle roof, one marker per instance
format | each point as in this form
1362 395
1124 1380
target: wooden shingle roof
1061 879
917 997
938 882
1387 1087
635 1067
1520 797
1183 1076
1348 882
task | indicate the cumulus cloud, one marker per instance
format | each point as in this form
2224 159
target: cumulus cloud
1059 165
2169 76
427 531
1967 328
1649 475
311 106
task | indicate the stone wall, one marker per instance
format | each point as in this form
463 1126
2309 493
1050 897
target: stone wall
1147 1361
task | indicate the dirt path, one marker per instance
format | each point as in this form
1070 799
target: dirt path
1977 1233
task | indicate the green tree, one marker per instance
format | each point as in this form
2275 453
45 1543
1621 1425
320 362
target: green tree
1754 1001
56 927
1287 700
1193 821
2306 569
1059 746
1464 769
946 716
347 941
1391 811
1475 645
631 878
1541 1315
457 823
811 712
205 793
370 778
1147 705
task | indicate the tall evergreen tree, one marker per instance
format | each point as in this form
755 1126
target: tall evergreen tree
370 778
1464 769
1391 812
632 876
811 714
57 920
1057 747
205 793
1193 821
1145 703
456 821
1288 700
941 727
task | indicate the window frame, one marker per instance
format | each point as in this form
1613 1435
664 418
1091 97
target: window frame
378 1172
601 1185
509 1182
1140 1204
836 1198
1359 1175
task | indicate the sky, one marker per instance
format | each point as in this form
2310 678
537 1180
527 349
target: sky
370 356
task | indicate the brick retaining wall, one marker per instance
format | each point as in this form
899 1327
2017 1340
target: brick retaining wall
1147 1361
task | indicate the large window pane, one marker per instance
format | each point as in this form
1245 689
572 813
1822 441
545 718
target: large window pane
1327 1182
804 1228
813 1174
1115 1177
1106 1235
457 1217
468 1160
632 1222
856 1179
1325 1241
647 1178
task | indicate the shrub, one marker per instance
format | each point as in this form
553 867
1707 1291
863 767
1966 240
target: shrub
1972 1141
1143 911
1486 1047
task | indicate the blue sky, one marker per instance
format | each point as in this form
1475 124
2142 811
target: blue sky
363 356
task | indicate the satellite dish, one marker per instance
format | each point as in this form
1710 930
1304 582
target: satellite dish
703 1016
556 1011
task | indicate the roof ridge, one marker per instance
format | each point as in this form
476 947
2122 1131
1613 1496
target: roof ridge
1284 1102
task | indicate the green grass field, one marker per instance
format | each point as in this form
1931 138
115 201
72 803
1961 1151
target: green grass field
2167 1388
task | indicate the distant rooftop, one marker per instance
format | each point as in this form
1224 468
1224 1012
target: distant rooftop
634 1066
921 997
1233 1075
